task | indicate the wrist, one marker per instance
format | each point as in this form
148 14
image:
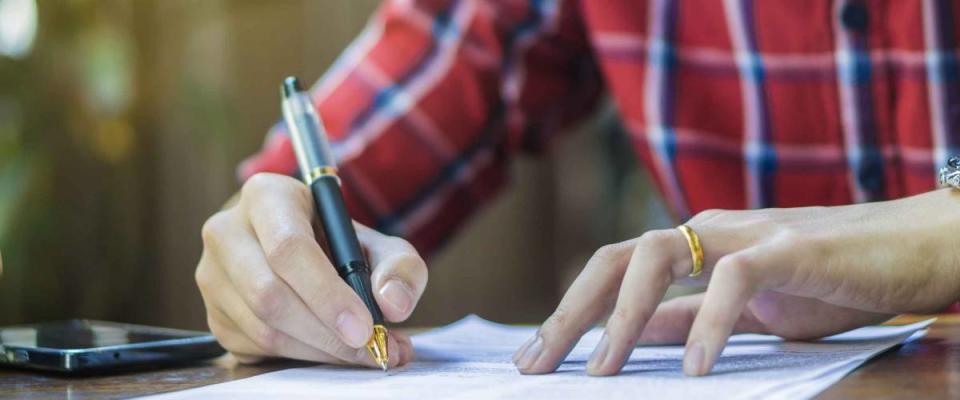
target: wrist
947 220
923 230
953 195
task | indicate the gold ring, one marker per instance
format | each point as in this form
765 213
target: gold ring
317 172
696 251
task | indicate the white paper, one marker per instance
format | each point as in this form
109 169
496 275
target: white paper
471 359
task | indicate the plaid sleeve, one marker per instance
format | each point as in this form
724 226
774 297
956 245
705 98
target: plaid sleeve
427 105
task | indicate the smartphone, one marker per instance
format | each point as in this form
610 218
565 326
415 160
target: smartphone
82 346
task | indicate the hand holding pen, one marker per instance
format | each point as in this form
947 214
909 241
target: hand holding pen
271 290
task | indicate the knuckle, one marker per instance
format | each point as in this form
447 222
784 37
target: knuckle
202 276
631 316
657 239
624 313
332 345
258 183
266 299
216 328
214 228
707 215
562 325
657 246
762 220
267 339
289 241
604 254
265 182
559 319
213 326
610 260
790 235
736 266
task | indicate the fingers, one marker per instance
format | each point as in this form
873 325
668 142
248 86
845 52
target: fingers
735 279
767 312
635 274
647 277
243 333
270 291
406 353
263 341
245 285
231 338
588 299
280 212
745 253
671 322
399 273
802 318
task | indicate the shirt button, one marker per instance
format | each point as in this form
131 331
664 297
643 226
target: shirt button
854 16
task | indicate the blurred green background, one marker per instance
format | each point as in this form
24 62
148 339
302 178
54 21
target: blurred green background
121 123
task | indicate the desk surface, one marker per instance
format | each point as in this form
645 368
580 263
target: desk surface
929 368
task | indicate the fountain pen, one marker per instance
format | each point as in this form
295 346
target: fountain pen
319 172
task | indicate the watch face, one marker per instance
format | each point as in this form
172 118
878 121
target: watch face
954 162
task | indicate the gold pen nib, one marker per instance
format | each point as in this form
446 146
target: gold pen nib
377 347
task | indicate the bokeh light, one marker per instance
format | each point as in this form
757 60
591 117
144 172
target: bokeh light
18 27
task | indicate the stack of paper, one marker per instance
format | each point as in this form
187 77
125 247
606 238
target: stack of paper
471 359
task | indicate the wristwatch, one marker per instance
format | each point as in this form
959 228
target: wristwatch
950 175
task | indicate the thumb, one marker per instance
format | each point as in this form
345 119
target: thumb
399 273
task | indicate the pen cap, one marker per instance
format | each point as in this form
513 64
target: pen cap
305 127
290 86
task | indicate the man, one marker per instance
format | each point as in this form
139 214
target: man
733 104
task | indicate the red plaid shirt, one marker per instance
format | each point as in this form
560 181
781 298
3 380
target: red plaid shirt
731 104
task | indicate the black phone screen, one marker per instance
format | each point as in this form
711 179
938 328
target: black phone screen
79 334
86 345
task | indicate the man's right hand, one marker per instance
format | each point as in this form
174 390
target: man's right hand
270 290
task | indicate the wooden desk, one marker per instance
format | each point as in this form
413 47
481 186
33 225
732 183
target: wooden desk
929 368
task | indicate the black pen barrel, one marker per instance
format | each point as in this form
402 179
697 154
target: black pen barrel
345 250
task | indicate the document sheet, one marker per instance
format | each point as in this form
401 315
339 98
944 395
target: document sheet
471 359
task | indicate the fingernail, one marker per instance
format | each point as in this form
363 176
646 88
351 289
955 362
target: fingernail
531 355
352 330
599 353
693 362
398 295
523 348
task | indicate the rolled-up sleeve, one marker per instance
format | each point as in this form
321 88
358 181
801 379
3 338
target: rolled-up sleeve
426 107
